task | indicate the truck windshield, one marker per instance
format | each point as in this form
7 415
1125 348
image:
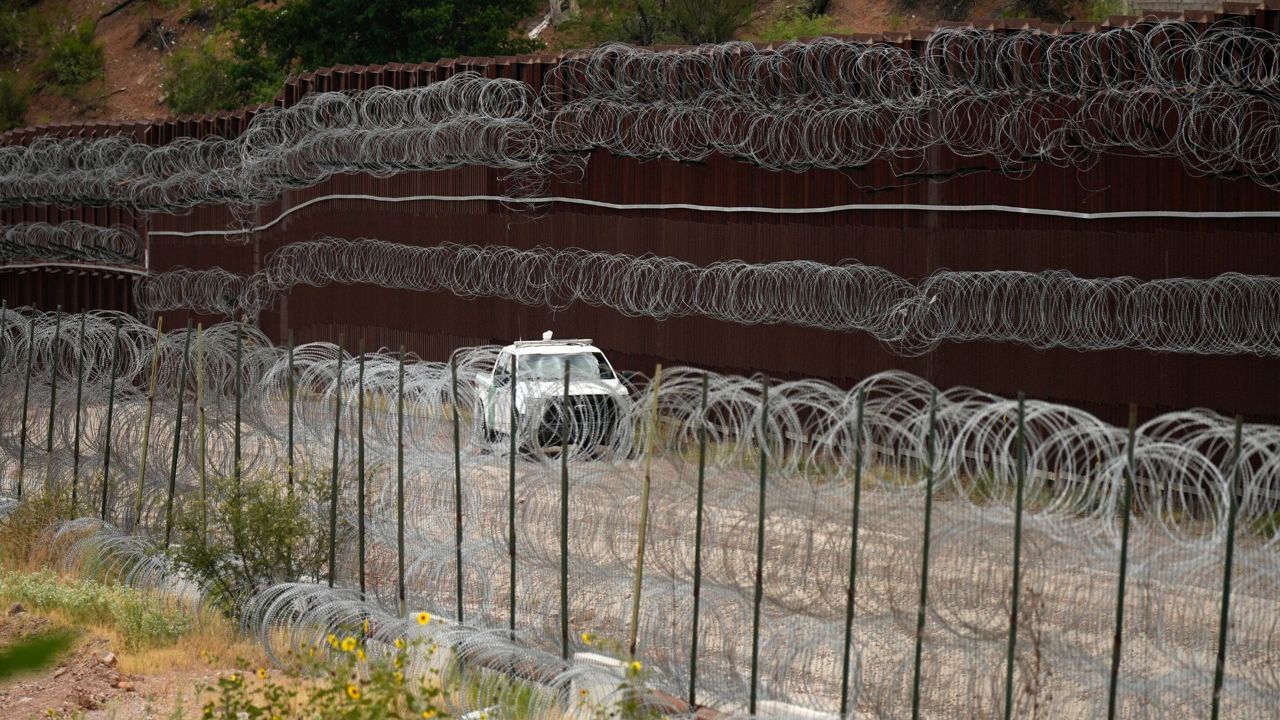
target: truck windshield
551 366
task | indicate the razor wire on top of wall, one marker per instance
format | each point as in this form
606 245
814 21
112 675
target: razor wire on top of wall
1229 314
1186 487
1207 98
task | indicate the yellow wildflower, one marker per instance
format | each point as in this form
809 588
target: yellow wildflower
586 638
353 692
234 677
262 673
399 676
360 655
428 714
333 640
399 643
635 666
424 618
348 644
365 626
398 662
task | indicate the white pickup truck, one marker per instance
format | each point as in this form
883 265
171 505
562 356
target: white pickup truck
598 399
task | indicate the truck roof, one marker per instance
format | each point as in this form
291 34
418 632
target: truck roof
539 347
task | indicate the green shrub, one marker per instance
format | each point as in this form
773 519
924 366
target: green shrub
198 80
14 100
22 530
140 621
799 25
256 536
75 59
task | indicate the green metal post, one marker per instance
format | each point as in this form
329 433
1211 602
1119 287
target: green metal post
511 495
1020 473
1124 562
26 399
1233 486
759 588
853 555
924 561
400 592
54 362
177 437
292 390
638 585
238 468
146 425
360 549
75 443
457 484
203 449
111 406
333 475
565 416
697 546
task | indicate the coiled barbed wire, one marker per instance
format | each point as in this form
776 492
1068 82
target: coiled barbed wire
1230 314
1185 472
1166 89
72 240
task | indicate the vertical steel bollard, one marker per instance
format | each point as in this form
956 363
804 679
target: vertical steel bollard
564 517
1233 486
759 589
697 547
847 649
146 425
511 495
26 398
360 549
457 483
333 475
1117 638
1020 472
292 390
924 560
111 406
75 446
4 336
647 482
400 591
177 438
54 362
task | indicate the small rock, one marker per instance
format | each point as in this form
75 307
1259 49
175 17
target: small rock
125 685
60 671
16 609
109 659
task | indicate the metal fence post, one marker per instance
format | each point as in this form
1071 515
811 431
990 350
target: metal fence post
360 467
333 475
924 555
646 483
511 494
1233 486
457 482
292 390
1124 562
1020 472
697 545
146 425
847 648
759 586
111 406
26 398
202 450
238 468
75 447
54 357
177 438
400 591
564 517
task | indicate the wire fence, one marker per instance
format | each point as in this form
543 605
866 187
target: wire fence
888 550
